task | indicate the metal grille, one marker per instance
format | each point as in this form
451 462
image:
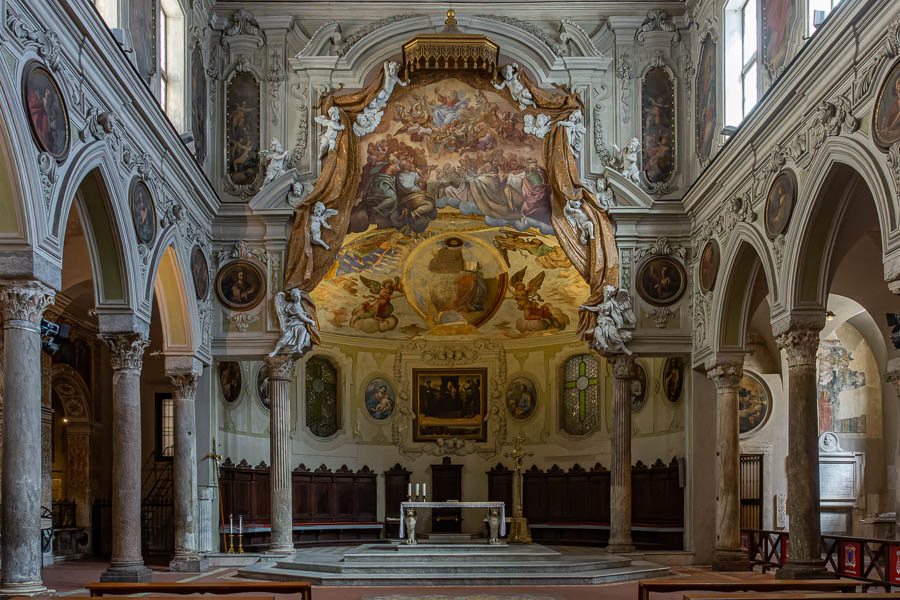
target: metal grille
751 491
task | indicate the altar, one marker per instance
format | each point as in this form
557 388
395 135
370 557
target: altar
409 516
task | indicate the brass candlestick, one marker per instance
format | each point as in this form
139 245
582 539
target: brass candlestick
518 530
240 543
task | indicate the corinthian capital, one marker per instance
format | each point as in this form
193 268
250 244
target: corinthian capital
127 350
281 366
24 300
725 372
622 365
799 346
184 385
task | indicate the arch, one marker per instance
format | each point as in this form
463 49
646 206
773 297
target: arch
72 391
175 310
74 396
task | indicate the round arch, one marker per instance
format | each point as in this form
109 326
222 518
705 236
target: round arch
177 312
74 396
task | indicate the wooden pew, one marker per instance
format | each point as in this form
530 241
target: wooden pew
202 587
646 586
797 596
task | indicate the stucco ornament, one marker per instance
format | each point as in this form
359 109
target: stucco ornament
627 160
298 192
576 131
615 316
519 92
293 321
275 157
317 220
604 194
537 126
369 119
332 125
579 220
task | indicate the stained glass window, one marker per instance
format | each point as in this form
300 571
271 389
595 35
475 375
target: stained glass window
323 409
580 395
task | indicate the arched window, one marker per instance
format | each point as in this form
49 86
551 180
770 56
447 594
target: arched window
171 61
323 406
741 86
580 414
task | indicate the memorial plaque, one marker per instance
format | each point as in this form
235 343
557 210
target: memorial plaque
837 481
834 522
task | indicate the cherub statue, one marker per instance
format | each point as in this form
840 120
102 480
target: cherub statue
317 220
575 130
293 321
275 155
391 79
519 92
332 125
537 126
605 196
628 158
299 190
369 119
614 315
578 219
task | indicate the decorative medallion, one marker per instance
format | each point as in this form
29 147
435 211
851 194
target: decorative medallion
241 285
45 108
230 380
754 403
658 125
262 386
886 117
200 273
709 266
521 398
780 203
143 213
638 388
661 280
380 399
673 378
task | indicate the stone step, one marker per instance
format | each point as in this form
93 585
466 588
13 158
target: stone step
421 569
433 555
450 538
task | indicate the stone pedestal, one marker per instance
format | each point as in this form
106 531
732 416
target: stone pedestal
126 563
620 470
726 373
799 346
281 373
21 305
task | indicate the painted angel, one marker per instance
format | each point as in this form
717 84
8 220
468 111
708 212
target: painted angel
294 323
519 92
317 220
332 125
576 130
579 220
276 156
628 159
537 126
615 316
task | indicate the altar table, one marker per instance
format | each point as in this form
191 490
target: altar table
500 505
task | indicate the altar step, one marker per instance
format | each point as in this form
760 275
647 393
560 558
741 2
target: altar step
449 538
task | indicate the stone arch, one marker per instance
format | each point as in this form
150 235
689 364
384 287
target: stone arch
177 311
75 398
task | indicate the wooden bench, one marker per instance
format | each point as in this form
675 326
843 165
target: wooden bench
797 596
645 586
197 587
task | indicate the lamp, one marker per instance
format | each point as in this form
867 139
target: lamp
829 316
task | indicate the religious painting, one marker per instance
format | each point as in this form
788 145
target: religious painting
230 380
199 273
754 403
780 203
449 403
658 125
380 399
323 409
580 398
778 18
673 378
143 214
242 129
842 387
198 103
521 398
706 113
241 285
661 280
709 266
886 117
638 388
262 386
142 24
46 111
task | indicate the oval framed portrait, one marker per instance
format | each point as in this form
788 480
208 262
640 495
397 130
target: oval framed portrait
241 285
886 116
780 203
754 403
46 110
143 213
661 280
638 388
199 273
673 378
262 386
380 399
230 379
521 398
709 266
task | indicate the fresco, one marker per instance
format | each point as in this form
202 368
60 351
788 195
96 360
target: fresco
198 103
754 403
142 24
46 110
706 110
658 125
886 126
848 384
778 21
242 129
379 398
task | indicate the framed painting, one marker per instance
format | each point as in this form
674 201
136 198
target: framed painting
638 388
754 403
262 386
661 280
241 285
658 125
778 18
521 398
143 213
673 378
706 111
199 273
780 203
886 116
198 103
380 399
230 380
242 129
45 108
449 403
709 266
142 22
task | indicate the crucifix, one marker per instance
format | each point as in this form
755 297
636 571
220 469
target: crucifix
518 531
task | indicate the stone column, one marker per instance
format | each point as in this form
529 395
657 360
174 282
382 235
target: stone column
22 304
187 551
799 345
126 563
281 374
893 377
620 470
729 555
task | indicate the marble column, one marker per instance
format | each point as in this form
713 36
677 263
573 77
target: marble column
726 374
187 557
893 377
22 304
126 563
620 470
281 374
799 345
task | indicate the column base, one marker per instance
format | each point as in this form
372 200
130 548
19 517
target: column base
12 590
518 531
189 563
127 574
731 560
806 569
279 551
620 547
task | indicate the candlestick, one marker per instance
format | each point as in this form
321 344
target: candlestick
417 490
424 490
230 544
409 489
240 524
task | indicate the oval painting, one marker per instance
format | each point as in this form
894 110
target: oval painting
754 403
521 398
709 266
241 285
380 399
199 273
143 214
230 380
780 203
46 111
262 386
886 118
638 388
673 378
661 281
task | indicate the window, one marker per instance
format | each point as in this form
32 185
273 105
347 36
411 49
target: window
818 12
165 426
740 60
171 61
580 395
109 11
323 409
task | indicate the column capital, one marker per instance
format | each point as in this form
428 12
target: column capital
799 345
24 300
622 365
281 366
127 350
184 385
725 371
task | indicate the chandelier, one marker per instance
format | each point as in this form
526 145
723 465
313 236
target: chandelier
450 49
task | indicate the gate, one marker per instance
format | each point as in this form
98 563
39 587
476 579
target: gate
751 491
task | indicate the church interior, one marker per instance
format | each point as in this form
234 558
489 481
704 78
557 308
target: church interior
392 299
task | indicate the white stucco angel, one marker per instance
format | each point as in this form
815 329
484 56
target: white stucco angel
293 321
368 120
579 219
298 192
615 316
317 220
628 159
575 130
605 197
391 79
537 126
276 156
519 92
332 125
